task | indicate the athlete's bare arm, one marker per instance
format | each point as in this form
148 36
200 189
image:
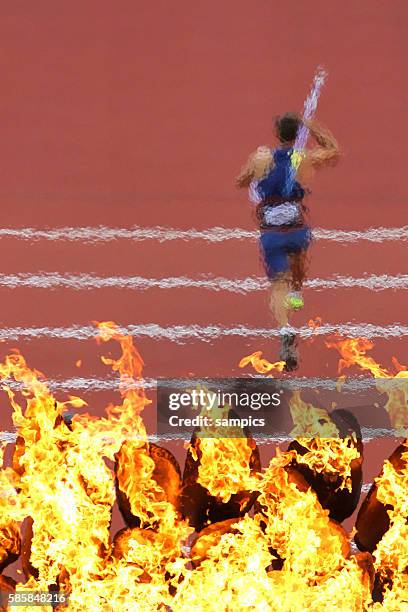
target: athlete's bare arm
326 154
258 164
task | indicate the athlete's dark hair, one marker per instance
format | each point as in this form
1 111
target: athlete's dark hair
287 126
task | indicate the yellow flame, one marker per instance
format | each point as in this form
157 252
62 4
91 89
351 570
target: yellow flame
60 479
315 431
224 467
391 554
353 352
261 365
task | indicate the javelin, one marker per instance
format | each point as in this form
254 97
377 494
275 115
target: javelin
309 109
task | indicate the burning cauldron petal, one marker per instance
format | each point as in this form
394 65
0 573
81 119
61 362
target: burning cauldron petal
28 569
127 545
341 502
167 475
373 520
7 585
260 512
211 535
10 544
198 505
122 549
377 520
208 537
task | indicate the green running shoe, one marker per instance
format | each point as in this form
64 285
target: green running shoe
294 301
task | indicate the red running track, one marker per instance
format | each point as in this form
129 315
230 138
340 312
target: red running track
142 113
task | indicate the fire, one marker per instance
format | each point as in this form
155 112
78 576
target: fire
353 352
221 470
224 467
386 506
326 452
67 489
391 554
314 324
260 364
320 571
291 554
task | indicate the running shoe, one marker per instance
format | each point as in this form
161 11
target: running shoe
294 300
288 351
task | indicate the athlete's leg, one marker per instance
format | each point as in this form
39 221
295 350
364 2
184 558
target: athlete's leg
277 267
278 303
299 262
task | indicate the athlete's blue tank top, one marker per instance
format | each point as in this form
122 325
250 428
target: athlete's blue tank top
277 183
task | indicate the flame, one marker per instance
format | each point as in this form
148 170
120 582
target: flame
353 352
261 365
306 580
328 452
225 466
67 489
236 573
289 556
63 485
391 554
315 323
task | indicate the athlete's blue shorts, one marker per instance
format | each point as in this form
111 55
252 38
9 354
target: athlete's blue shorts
276 247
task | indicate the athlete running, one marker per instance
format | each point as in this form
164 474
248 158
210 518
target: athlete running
284 234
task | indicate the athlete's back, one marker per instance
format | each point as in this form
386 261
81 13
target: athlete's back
262 161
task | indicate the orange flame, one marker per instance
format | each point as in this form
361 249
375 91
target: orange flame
60 479
261 365
327 451
225 467
353 352
315 323
391 554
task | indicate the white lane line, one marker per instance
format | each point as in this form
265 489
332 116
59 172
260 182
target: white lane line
373 282
207 333
278 438
55 280
102 233
372 234
95 384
